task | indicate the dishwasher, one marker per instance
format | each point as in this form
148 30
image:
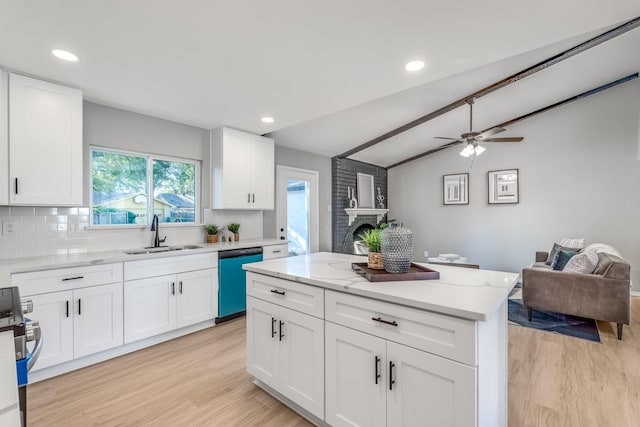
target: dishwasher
232 288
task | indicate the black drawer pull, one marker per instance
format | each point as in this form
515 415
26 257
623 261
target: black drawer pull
376 362
391 380
275 291
386 322
72 278
277 252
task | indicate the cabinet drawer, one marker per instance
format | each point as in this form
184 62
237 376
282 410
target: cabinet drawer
275 251
39 282
445 336
169 265
296 296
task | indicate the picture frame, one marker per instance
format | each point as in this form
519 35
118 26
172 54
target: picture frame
455 189
504 186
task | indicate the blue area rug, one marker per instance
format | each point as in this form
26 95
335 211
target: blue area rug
554 322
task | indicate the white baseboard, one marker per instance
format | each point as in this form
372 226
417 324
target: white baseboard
635 293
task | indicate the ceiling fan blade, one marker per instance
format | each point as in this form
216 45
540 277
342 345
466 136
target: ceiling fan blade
445 137
510 139
487 133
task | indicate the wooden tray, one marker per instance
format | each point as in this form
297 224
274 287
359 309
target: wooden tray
416 272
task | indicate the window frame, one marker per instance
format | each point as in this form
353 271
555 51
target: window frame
150 157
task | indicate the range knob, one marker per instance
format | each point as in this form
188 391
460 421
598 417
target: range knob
32 330
27 306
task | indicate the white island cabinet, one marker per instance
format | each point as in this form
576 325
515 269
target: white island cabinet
409 353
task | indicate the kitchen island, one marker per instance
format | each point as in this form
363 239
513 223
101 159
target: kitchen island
341 350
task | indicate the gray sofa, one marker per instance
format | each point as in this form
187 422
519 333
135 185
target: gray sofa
602 295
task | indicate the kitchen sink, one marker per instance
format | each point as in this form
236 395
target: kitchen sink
153 250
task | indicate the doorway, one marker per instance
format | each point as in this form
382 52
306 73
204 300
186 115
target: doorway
297 209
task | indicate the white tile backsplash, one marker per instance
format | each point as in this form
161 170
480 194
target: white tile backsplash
43 231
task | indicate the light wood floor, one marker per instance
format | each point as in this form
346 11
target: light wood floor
200 380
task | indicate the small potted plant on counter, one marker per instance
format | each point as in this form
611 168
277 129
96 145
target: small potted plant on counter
234 228
372 239
212 233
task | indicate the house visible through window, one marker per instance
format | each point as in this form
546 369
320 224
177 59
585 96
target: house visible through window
129 188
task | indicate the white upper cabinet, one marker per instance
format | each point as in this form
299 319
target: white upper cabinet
242 170
45 143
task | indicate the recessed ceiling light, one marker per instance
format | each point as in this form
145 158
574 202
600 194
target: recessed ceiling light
267 119
414 66
63 54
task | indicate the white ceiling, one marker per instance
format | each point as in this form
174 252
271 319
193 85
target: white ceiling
307 63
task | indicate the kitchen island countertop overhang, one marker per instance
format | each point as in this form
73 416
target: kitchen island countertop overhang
461 292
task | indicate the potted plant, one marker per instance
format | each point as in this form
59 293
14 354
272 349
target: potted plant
212 233
233 227
372 239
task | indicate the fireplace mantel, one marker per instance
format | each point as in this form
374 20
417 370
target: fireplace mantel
353 213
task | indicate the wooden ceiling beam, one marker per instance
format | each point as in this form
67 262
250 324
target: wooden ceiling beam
595 41
526 116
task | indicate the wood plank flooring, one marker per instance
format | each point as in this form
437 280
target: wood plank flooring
201 380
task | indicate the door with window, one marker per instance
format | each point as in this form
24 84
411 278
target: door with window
297 203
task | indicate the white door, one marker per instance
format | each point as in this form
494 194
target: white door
45 143
297 203
263 341
197 296
356 378
98 319
429 390
302 360
149 307
54 312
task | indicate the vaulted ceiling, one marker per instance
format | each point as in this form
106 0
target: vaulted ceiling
330 73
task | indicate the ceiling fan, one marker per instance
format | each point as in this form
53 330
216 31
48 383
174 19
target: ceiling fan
473 139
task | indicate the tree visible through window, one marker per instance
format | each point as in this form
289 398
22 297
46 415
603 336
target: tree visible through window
123 183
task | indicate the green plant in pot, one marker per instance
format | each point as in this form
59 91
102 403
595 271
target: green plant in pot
212 233
371 238
234 228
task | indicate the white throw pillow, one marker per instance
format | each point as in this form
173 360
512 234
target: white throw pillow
572 243
584 263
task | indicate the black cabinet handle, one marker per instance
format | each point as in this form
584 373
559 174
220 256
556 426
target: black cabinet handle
281 334
79 306
173 288
273 327
376 362
253 198
275 291
391 380
386 322
278 251
180 287
66 279
67 304
248 197
16 185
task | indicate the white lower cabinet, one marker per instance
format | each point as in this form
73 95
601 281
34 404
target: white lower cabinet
161 304
78 322
285 350
374 382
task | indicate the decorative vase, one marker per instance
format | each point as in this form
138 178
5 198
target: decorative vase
397 247
212 238
374 261
236 236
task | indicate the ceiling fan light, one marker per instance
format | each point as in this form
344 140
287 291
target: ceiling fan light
467 151
479 149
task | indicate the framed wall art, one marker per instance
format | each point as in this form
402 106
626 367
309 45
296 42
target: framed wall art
455 189
504 186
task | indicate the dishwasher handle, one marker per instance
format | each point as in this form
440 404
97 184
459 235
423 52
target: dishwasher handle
235 253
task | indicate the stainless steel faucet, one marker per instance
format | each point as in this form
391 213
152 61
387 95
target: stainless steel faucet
155 227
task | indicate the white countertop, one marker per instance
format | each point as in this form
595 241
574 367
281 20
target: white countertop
462 292
22 265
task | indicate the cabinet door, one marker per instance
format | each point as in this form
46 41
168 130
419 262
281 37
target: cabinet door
234 164
263 341
54 311
429 389
302 360
260 171
197 296
149 307
45 143
355 397
98 319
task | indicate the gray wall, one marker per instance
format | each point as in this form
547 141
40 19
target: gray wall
579 176
303 160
